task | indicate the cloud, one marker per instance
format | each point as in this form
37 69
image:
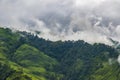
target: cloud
118 59
92 21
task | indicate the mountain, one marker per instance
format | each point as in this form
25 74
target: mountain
25 56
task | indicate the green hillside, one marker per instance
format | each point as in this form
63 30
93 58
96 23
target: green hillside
24 56
19 61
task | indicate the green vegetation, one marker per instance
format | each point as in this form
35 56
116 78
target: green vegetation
24 56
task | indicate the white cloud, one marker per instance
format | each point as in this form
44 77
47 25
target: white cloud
92 21
118 59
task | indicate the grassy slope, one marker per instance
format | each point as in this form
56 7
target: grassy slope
25 62
34 62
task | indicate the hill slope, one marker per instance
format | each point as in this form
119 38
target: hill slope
24 56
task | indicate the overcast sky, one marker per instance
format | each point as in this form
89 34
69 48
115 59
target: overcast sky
89 20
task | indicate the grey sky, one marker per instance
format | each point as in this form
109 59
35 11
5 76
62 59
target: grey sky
90 20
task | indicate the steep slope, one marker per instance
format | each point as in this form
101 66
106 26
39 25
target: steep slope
78 59
8 42
107 72
24 56
28 63
35 62
82 61
19 61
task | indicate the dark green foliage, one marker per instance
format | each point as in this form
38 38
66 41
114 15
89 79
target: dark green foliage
24 56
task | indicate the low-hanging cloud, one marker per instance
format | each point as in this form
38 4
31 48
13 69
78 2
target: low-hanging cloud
92 21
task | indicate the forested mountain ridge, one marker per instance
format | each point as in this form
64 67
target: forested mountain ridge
24 56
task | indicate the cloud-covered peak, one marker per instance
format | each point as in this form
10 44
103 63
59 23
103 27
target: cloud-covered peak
92 21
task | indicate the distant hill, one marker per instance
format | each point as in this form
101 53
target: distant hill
24 56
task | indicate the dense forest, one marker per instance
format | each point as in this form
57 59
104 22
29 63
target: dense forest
25 56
